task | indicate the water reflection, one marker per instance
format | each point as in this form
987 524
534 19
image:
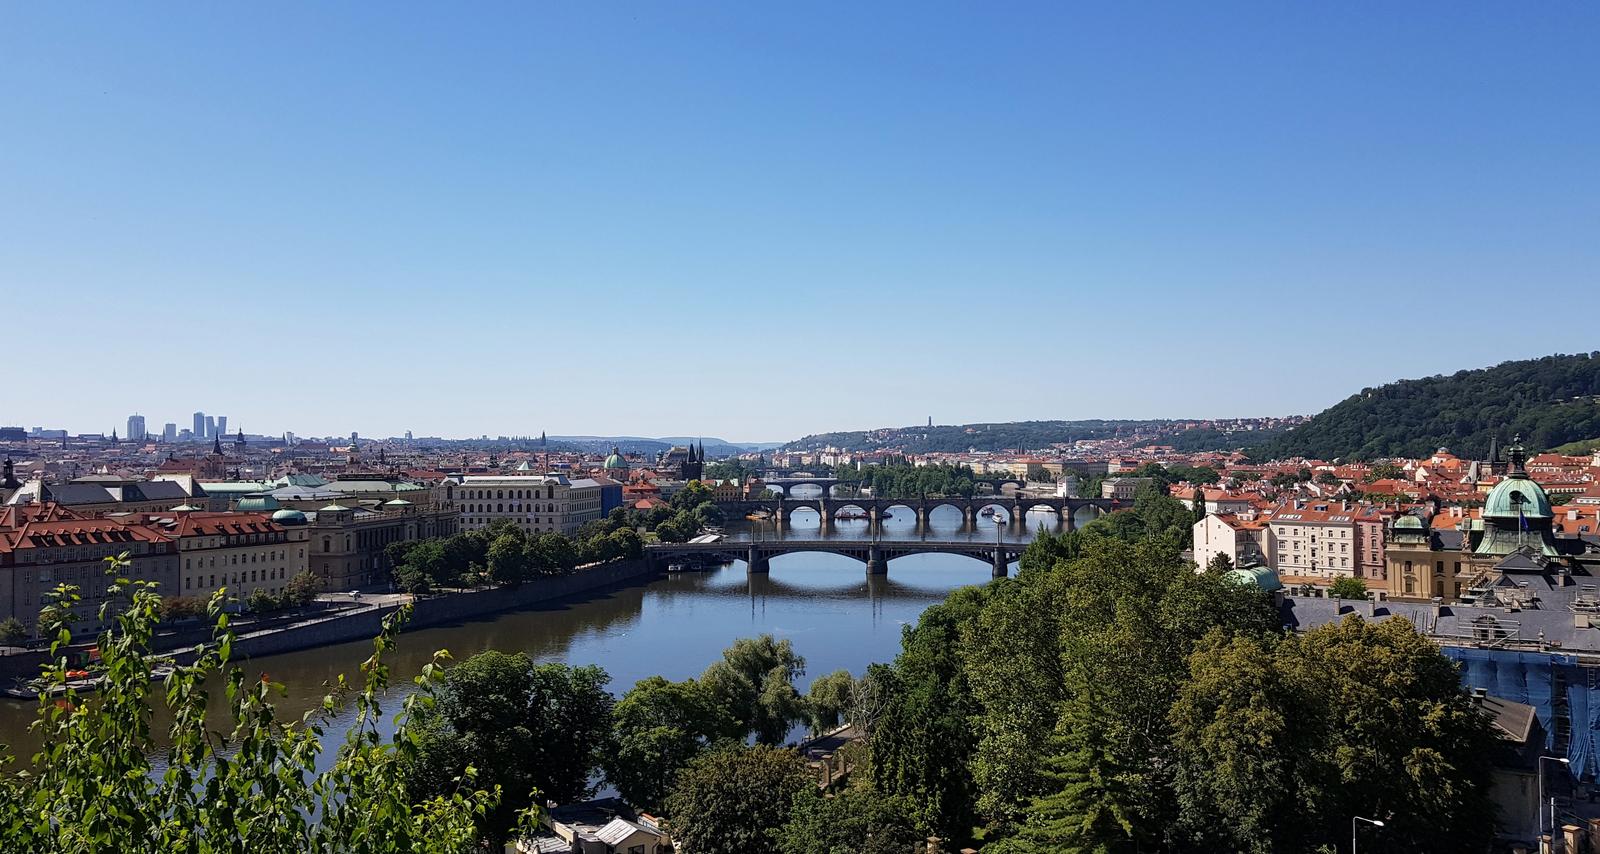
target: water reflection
836 615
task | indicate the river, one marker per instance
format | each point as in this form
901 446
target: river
833 612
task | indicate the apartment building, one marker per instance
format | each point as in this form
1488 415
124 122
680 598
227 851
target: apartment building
38 552
538 504
242 552
1313 540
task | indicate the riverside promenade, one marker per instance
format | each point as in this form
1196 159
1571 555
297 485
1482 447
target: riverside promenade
337 622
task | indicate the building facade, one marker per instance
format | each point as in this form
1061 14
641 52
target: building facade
38 553
538 504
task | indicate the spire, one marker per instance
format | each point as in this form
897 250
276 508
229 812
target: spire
8 480
240 440
1518 457
113 435
216 445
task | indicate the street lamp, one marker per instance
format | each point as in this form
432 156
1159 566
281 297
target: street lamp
1355 818
1543 759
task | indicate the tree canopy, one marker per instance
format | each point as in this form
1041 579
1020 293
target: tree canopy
1549 401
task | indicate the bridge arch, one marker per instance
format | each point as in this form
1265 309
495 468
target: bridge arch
1028 506
1083 514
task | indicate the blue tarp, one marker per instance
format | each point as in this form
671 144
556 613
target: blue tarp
1522 677
1585 718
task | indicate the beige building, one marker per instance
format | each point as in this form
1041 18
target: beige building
1242 540
538 504
349 545
1313 540
40 550
242 552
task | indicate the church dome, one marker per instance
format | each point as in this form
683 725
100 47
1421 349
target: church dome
615 461
1517 496
289 517
257 504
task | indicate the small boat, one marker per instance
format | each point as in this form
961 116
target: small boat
677 567
849 515
758 515
986 512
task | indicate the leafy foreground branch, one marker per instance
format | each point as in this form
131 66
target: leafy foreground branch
93 786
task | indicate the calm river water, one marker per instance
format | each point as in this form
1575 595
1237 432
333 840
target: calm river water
836 616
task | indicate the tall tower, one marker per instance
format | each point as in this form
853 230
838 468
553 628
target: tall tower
211 427
222 425
200 427
136 432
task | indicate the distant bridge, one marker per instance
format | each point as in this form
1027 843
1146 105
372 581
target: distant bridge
1015 505
786 482
876 554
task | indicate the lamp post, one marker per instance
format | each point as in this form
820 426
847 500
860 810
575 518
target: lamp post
1355 818
1543 759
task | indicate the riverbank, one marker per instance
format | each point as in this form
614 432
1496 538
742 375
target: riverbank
363 622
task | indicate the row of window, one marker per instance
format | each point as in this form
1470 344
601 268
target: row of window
276 574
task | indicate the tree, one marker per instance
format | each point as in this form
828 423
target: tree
754 682
1384 471
1280 739
657 728
1348 588
301 590
174 608
255 786
828 701
1197 504
855 821
509 561
923 739
1219 564
262 602
731 800
1328 478
12 631
534 730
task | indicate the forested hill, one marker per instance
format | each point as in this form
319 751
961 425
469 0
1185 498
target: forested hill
1549 401
1009 436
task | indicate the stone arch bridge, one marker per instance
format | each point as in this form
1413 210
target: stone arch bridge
783 485
876 554
1015 506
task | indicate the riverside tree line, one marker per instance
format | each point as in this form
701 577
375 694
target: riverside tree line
1110 698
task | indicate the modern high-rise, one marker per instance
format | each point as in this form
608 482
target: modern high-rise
222 425
211 427
199 426
136 428
169 433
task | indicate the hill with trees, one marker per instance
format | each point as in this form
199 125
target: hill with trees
1548 401
1012 435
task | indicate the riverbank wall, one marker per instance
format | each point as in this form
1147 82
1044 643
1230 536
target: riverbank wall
364 623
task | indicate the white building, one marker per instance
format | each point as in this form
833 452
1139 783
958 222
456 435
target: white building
1242 540
1313 540
538 504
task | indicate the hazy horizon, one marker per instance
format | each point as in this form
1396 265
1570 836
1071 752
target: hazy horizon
760 223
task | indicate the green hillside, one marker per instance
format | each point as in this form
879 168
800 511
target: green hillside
1549 401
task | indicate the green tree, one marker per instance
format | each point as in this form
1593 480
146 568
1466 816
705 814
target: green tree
754 682
509 561
1219 564
301 590
12 631
1197 504
1280 739
657 727
855 821
828 701
1384 471
923 739
1348 588
536 731
732 800
252 786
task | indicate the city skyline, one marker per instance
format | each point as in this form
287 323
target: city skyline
763 223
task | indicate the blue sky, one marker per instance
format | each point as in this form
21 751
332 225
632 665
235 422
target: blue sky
757 222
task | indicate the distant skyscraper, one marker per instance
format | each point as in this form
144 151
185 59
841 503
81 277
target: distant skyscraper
222 425
199 425
169 433
136 428
288 438
408 435
210 427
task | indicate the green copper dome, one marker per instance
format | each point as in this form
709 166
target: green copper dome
289 517
258 504
1260 576
1517 496
615 461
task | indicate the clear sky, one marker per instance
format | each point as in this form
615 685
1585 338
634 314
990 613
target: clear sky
759 220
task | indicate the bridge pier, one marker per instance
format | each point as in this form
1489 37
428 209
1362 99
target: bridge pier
922 518
756 563
969 517
1001 570
1067 521
876 565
